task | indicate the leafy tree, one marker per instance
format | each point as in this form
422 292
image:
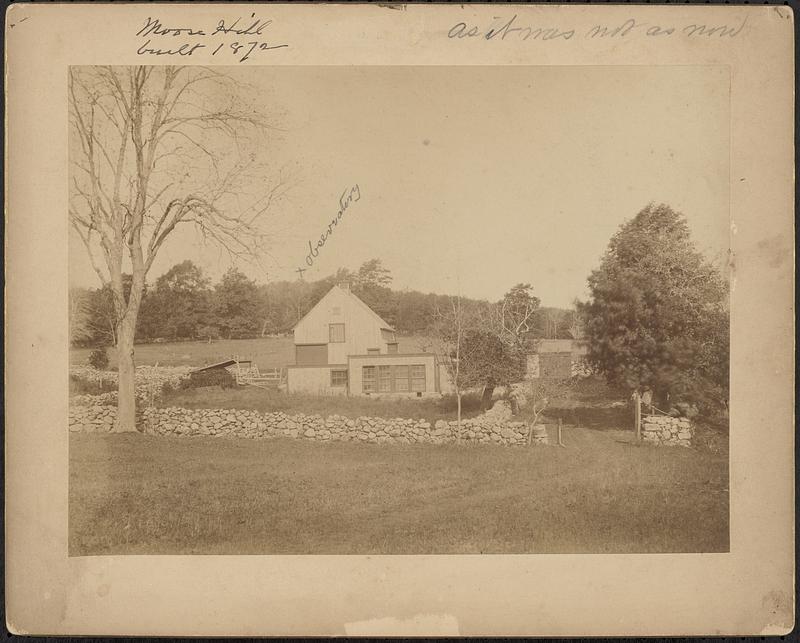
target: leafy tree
80 327
372 273
413 311
178 305
236 305
98 315
488 361
482 344
208 332
102 317
657 316
372 286
343 275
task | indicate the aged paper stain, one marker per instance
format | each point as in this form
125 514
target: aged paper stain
418 625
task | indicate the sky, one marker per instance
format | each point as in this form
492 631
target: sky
473 179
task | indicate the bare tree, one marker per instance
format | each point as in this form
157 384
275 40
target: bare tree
449 328
514 315
482 344
512 319
153 149
554 321
575 323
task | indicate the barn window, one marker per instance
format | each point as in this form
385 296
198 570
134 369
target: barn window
338 378
402 383
391 348
368 379
418 377
336 333
373 351
384 379
387 335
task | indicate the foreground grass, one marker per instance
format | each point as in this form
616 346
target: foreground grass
138 494
264 401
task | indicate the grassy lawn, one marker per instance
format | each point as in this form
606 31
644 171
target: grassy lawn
258 399
139 494
584 404
267 352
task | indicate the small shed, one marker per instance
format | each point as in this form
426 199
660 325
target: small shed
224 364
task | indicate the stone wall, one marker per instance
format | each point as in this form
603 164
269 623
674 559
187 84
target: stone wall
149 380
95 413
490 428
146 376
667 430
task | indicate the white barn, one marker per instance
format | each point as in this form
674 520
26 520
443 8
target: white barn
342 347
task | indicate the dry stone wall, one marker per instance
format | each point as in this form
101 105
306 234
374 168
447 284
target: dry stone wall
149 380
95 413
489 428
667 430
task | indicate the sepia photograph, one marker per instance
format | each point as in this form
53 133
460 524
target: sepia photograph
398 310
399 320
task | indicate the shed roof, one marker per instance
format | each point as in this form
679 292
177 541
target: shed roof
224 364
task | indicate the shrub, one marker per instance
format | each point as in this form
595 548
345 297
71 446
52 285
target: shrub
98 358
214 377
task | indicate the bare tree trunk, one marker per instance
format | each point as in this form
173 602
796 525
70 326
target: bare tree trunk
126 390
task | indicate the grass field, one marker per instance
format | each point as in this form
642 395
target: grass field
585 403
267 352
267 401
139 494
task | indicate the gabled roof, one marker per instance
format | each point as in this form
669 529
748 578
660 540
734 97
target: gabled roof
375 316
358 301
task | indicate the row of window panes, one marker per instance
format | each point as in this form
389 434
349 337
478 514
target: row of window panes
338 378
393 379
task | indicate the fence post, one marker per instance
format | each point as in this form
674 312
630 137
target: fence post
560 443
638 402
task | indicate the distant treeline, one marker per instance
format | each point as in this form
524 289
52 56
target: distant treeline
183 304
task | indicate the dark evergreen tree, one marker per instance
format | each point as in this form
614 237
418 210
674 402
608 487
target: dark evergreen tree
657 316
